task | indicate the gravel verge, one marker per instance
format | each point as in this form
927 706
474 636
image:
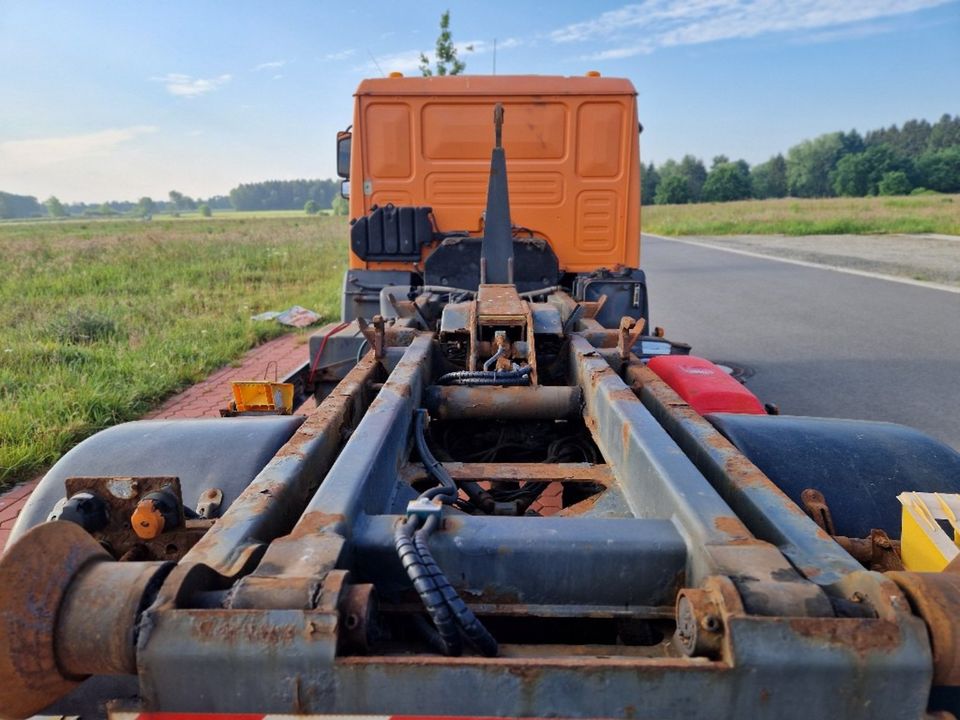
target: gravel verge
926 258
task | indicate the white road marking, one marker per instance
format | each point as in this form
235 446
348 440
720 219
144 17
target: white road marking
819 266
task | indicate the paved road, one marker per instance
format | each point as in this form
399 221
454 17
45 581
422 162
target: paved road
819 342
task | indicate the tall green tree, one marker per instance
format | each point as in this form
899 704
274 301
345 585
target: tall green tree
810 163
695 173
851 176
54 207
727 181
649 179
673 190
894 182
859 174
945 133
769 179
445 55
940 170
145 207
340 206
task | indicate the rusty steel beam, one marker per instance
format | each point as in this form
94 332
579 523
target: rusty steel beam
517 472
659 480
362 479
271 504
764 507
538 402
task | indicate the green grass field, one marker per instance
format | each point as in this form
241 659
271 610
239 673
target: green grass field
793 216
101 320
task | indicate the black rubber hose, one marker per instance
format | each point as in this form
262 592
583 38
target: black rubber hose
483 382
447 487
472 627
429 633
487 377
422 579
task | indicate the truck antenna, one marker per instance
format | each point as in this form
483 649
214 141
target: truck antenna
382 73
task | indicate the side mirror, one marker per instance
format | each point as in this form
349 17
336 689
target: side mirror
343 154
345 189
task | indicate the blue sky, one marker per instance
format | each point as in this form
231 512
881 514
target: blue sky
114 100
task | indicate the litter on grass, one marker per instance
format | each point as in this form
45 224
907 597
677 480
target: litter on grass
295 316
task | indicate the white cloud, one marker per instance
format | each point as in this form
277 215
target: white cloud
618 53
272 65
28 155
278 77
665 23
342 55
190 87
845 33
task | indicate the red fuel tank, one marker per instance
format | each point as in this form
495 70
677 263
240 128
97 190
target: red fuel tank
705 386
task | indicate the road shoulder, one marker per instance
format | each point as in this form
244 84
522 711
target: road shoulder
930 261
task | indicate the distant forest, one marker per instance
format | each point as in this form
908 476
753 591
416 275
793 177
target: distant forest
916 157
308 195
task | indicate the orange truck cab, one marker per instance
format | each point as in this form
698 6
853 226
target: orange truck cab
417 162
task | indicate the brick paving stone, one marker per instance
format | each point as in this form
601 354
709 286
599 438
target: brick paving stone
201 400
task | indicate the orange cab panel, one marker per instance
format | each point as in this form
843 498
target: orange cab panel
572 159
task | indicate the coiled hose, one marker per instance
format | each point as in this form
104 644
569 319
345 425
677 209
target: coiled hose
472 627
450 615
474 378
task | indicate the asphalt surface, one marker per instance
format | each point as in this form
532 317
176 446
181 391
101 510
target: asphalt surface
815 341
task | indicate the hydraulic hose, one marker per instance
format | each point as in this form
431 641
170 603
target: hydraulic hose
450 615
447 488
472 627
521 376
434 467
425 585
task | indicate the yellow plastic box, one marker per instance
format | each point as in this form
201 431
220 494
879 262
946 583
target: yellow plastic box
263 396
929 531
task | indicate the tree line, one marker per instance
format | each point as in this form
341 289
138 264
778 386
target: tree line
913 158
284 194
310 195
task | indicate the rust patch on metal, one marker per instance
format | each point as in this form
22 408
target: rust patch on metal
582 507
517 472
935 597
734 527
624 394
315 522
35 573
228 627
860 636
